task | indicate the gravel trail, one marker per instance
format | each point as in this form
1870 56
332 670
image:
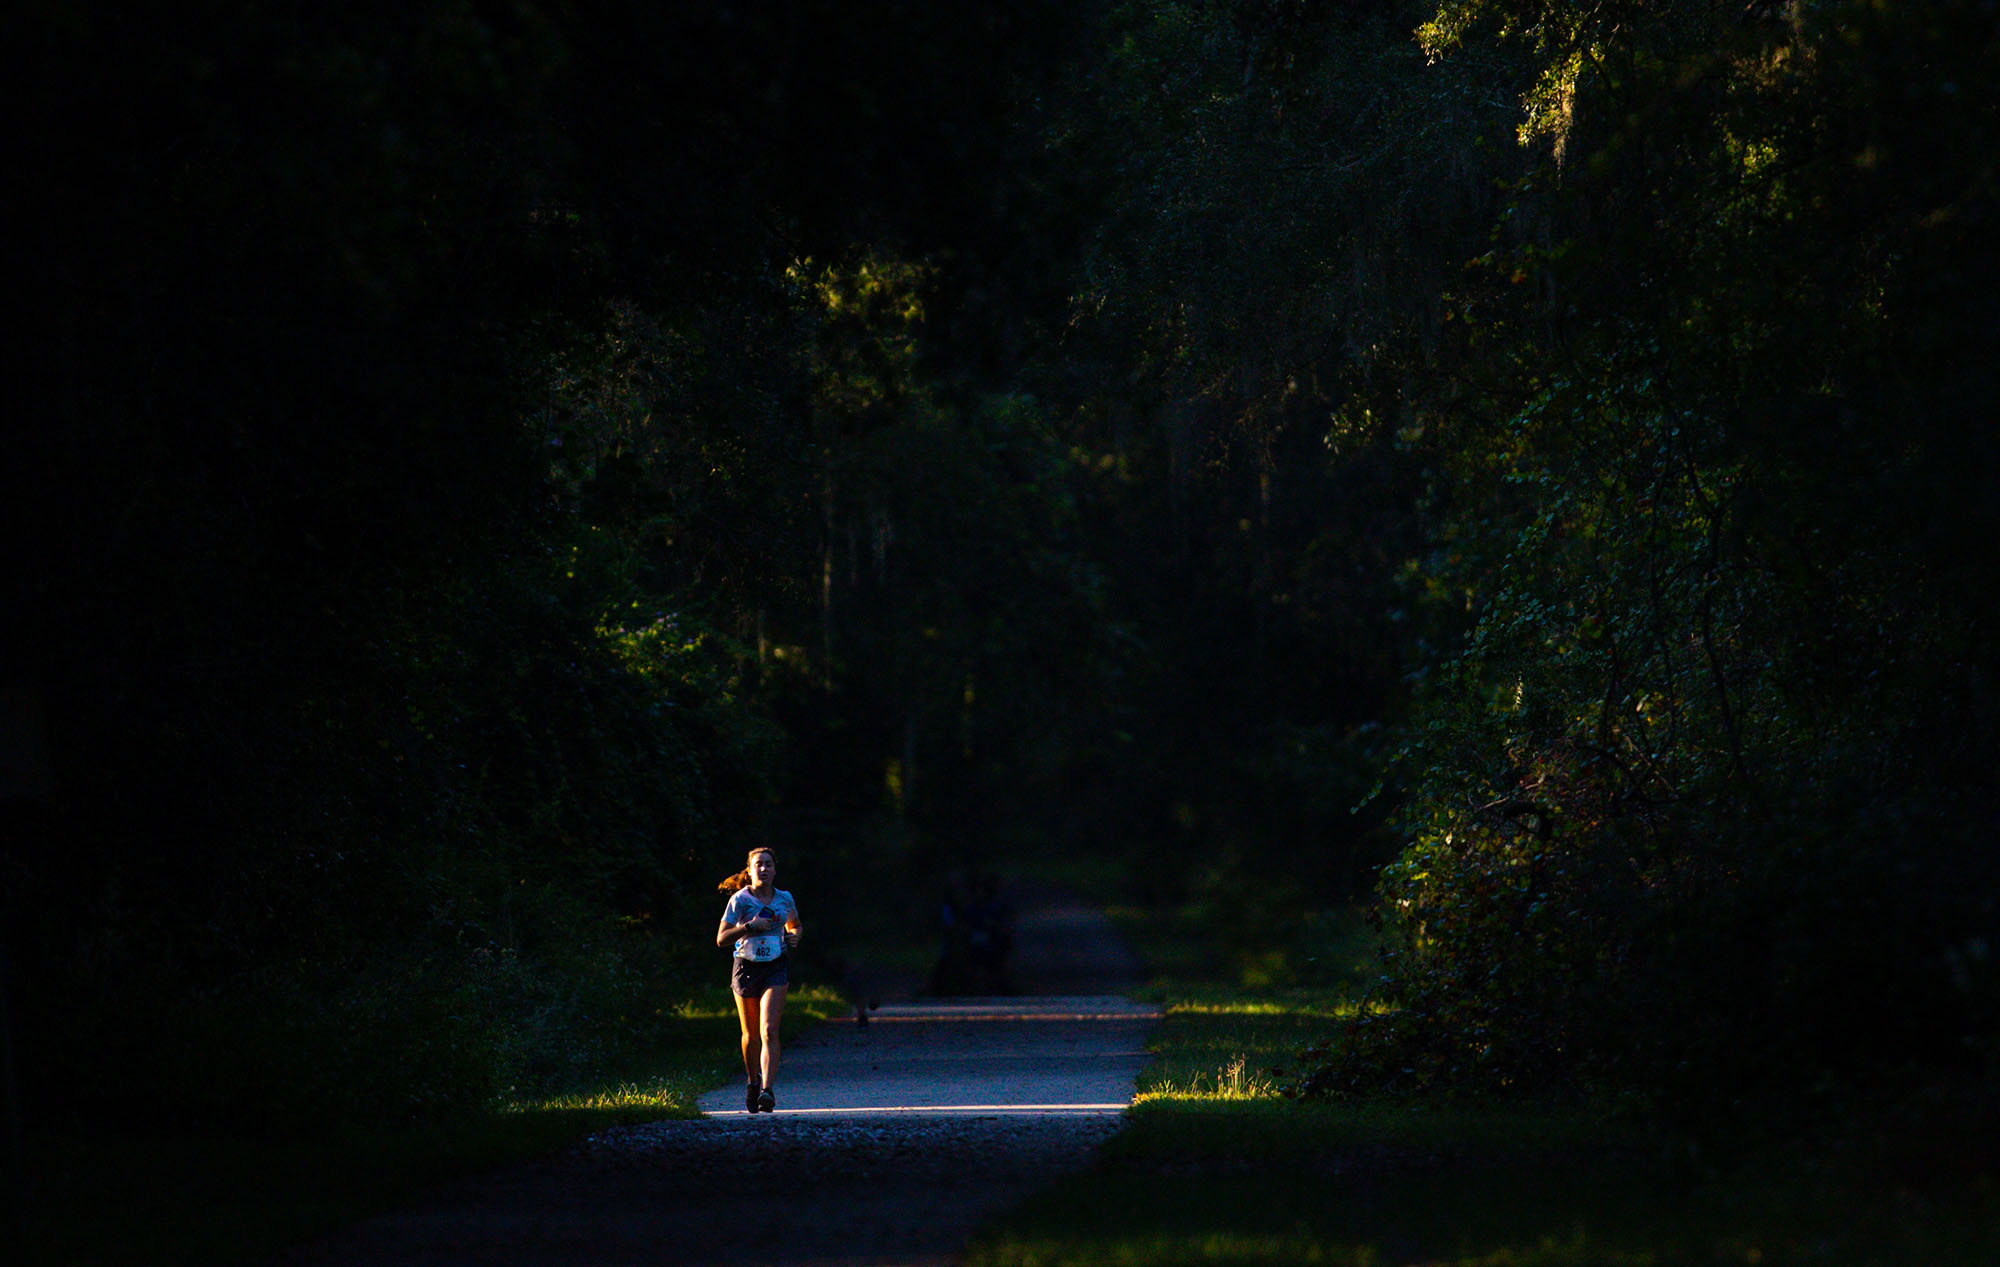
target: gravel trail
892 1142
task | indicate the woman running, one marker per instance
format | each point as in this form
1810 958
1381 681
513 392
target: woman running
763 923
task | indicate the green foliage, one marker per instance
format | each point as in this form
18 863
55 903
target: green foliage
1238 283
492 462
1210 1166
1684 790
1207 952
484 478
387 751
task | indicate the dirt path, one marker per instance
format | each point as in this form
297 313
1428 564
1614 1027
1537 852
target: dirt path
892 1143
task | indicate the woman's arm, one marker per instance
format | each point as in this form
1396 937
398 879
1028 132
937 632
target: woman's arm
729 933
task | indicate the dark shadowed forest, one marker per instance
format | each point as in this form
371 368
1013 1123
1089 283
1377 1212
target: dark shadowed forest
1524 466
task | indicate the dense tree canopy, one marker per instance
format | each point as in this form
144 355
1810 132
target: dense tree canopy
1519 462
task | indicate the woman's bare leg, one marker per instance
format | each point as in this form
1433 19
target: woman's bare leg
747 1017
772 1011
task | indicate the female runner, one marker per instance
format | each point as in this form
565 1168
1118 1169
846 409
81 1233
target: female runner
763 923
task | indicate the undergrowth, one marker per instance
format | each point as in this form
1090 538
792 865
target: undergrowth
189 1197
1219 1162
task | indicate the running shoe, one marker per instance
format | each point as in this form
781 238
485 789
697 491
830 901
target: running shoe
767 1102
750 1096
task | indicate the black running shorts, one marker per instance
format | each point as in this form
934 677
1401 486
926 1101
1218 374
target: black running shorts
749 978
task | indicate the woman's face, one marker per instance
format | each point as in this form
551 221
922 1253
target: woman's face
763 867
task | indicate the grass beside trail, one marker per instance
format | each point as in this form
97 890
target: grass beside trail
1215 1166
205 1199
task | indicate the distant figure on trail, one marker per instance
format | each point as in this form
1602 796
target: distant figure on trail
978 937
761 923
